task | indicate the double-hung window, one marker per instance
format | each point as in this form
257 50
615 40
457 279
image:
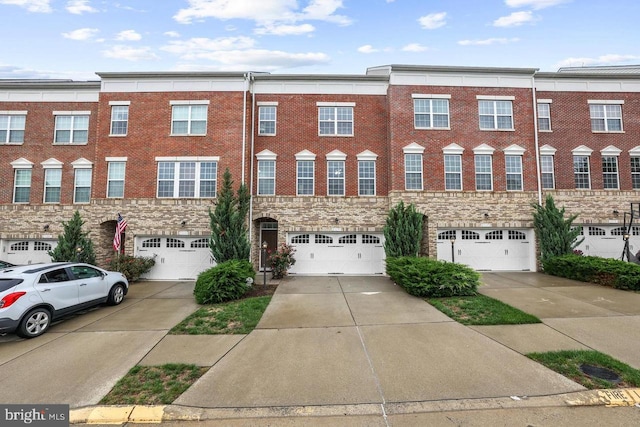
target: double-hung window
547 172
12 125
367 174
119 118
495 113
635 172
544 115
413 167
335 119
189 117
188 179
267 118
305 173
453 172
606 116
335 178
82 185
266 177
71 127
610 177
431 111
581 171
115 177
484 172
52 185
22 186
514 172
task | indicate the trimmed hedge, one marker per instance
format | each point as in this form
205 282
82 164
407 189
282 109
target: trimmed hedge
425 277
604 271
226 281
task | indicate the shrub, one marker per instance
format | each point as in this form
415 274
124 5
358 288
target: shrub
132 267
402 231
281 260
224 282
604 271
425 277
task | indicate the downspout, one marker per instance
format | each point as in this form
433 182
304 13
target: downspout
247 76
535 137
253 109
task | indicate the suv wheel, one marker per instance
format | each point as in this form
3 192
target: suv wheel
35 323
116 294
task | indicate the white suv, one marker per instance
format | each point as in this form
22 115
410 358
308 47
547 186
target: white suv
32 296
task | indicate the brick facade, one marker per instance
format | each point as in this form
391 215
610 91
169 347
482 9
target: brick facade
383 126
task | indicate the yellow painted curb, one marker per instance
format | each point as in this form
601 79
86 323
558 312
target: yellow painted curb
147 414
109 414
620 397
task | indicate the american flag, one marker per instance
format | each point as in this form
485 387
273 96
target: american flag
121 225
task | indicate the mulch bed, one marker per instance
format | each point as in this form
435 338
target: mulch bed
258 290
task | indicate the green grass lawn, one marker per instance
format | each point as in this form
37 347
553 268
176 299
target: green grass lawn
568 363
153 385
481 310
236 317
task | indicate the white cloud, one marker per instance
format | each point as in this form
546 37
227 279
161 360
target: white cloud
285 30
40 6
433 20
78 7
534 4
81 34
514 20
610 59
261 11
414 47
130 53
174 34
201 47
367 48
486 42
128 35
257 59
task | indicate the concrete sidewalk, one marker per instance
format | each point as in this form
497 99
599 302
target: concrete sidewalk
360 351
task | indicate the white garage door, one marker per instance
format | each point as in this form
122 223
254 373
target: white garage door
25 252
337 253
177 258
606 241
489 249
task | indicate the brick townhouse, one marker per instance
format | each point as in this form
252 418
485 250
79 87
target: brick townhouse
325 158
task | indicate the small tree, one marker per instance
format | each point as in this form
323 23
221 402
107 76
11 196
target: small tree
228 223
403 231
556 235
74 245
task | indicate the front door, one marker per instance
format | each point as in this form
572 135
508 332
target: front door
268 234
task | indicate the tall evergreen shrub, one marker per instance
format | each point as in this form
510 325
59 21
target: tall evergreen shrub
556 235
403 231
74 245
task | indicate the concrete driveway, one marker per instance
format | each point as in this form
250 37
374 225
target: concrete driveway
81 358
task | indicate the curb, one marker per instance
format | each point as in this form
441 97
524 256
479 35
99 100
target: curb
118 414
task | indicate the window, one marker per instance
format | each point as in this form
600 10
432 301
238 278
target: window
470 235
544 116
413 171
547 172
266 177
581 171
72 129
187 179
12 127
635 172
351 239
335 178
174 243
366 178
305 177
119 119
606 117
115 179
200 243
189 119
494 235
52 182
300 239
495 115
447 235
597 231
431 113
267 120
323 239
484 172
337 121
41 246
452 172
22 186
368 239
514 172
610 172
151 243
82 186
517 235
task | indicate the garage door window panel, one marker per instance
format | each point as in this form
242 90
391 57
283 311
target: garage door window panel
348 240
300 239
323 239
200 243
494 235
597 231
368 239
151 243
41 246
447 235
175 243
516 235
470 235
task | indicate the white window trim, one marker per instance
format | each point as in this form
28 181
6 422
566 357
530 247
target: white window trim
176 177
275 120
337 159
44 193
544 101
495 115
421 170
267 159
16 168
606 125
306 157
337 105
189 120
458 156
553 167
521 173
368 156
13 113
478 151
116 160
118 104
82 167
73 114
415 96
582 151
617 174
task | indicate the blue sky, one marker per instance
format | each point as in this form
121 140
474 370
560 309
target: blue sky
73 39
